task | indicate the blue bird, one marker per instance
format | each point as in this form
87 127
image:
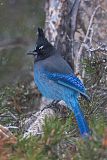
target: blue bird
55 79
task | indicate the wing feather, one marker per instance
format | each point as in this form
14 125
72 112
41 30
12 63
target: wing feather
68 80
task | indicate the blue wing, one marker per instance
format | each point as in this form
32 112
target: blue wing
68 80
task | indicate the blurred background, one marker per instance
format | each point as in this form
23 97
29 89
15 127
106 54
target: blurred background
18 24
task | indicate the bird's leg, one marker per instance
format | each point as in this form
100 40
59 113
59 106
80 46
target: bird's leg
55 102
52 105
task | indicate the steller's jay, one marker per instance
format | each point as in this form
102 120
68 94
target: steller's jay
55 79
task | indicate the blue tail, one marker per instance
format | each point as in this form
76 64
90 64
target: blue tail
82 124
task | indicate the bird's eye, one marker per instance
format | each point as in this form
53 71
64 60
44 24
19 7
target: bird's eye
41 47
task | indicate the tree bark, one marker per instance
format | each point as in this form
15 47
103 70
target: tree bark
60 26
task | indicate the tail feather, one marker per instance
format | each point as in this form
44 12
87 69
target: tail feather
82 123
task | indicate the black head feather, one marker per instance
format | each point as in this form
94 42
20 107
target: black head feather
41 33
43 48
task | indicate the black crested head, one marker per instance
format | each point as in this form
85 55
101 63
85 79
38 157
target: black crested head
43 48
41 40
41 33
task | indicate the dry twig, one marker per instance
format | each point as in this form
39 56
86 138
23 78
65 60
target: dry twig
77 59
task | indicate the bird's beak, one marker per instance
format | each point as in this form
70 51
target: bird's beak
34 53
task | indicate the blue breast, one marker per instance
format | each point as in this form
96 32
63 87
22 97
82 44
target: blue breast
49 88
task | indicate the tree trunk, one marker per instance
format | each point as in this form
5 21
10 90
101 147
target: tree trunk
60 26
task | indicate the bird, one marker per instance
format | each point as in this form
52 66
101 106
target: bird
56 80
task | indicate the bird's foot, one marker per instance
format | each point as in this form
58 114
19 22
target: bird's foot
51 105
